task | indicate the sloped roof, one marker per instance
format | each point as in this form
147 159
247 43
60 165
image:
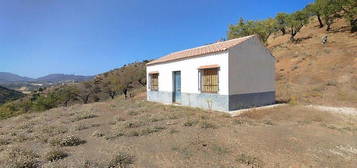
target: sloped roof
206 49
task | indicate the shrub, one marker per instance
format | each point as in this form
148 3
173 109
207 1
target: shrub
206 124
98 134
67 141
121 160
147 131
133 124
250 160
22 158
189 123
133 133
133 113
4 141
55 154
54 130
83 117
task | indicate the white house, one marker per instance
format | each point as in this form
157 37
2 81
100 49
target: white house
223 76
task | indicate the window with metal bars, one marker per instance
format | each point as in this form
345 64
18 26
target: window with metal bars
209 80
154 82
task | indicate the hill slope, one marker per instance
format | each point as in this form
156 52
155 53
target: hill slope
6 77
55 78
8 95
309 72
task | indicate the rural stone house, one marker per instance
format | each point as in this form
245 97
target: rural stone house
223 76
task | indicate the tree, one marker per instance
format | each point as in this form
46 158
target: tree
349 8
86 90
295 22
262 28
282 22
329 11
67 94
315 9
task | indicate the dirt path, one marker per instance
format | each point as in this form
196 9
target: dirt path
340 110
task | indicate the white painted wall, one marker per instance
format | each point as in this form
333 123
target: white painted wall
251 68
189 72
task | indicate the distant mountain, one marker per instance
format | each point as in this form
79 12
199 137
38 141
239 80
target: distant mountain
56 78
6 77
8 94
10 78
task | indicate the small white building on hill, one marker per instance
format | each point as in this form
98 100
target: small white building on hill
223 76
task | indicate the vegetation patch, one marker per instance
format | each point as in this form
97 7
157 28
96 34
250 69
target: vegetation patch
121 160
54 130
22 158
83 116
67 141
4 141
249 160
190 123
55 154
206 124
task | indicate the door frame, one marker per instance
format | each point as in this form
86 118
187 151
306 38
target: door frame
174 87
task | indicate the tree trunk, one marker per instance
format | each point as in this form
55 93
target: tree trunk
125 92
292 37
328 27
112 95
320 21
353 25
283 31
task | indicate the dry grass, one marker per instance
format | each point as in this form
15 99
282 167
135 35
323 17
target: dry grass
172 136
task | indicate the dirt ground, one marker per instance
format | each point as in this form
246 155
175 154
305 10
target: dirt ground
156 135
312 73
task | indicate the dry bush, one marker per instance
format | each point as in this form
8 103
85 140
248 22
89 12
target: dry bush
4 141
70 140
22 158
133 124
55 154
121 160
206 124
83 126
147 131
98 133
54 130
83 116
190 123
250 161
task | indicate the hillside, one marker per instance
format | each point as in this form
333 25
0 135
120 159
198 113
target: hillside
8 95
309 72
56 78
6 77
126 80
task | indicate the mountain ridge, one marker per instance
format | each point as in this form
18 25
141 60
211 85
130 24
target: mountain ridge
7 77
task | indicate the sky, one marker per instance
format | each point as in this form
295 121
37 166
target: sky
88 37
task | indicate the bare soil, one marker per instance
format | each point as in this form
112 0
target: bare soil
171 136
309 72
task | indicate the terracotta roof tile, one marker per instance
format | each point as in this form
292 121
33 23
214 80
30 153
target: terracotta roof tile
206 49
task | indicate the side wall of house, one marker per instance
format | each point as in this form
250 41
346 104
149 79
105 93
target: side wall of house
190 94
252 75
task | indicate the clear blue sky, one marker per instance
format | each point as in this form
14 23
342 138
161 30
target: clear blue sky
87 37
